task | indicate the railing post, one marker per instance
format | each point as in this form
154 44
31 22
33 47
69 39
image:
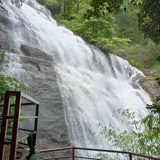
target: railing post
36 124
130 156
4 124
15 124
73 154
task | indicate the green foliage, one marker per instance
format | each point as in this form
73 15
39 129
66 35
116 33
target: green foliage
99 31
143 136
127 23
44 2
64 9
131 16
99 23
8 83
2 55
158 58
103 156
158 79
112 25
98 7
134 62
148 18
143 56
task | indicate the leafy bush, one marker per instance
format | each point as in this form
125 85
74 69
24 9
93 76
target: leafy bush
8 83
143 137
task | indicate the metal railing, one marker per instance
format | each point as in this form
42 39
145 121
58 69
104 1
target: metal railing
13 115
73 155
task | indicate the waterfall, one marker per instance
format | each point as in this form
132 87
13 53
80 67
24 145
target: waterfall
92 85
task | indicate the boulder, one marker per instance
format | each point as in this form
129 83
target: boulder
151 86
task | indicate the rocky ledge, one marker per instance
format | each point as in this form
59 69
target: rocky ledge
150 84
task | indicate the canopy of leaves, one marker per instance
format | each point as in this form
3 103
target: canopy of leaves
148 14
99 6
148 18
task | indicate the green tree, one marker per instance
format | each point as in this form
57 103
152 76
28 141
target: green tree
127 23
99 6
8 82
143 137
148 18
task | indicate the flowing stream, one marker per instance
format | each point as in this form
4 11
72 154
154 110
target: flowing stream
92 85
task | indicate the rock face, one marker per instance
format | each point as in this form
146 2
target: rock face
36 69
151 86
35 52
4 22
40 75
44 88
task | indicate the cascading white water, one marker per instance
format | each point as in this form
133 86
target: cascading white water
92 85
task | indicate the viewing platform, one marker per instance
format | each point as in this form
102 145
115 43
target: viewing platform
20 143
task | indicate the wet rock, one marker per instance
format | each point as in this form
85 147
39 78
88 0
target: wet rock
35 52
52 130
36 69
3 28
43 87
151 86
